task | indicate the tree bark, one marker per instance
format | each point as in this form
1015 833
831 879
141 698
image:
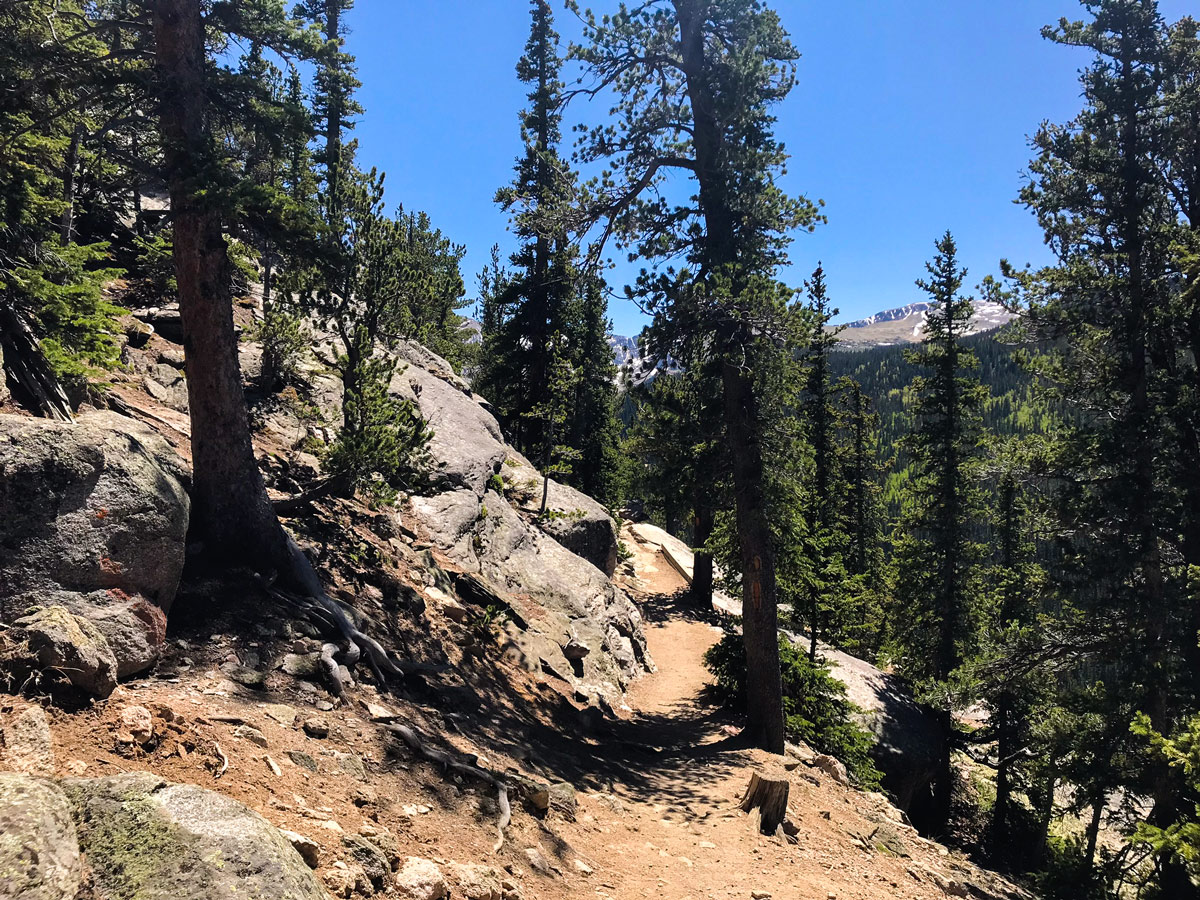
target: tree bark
770 797
70 169
231 514
760 618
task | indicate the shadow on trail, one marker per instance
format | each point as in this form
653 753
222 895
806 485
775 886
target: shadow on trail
675 756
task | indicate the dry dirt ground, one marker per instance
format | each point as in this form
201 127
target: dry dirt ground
657 786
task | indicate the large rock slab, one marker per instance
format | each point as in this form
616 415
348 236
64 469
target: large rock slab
96 504
907 738
146 838
39 851
575 520
467 443
560 597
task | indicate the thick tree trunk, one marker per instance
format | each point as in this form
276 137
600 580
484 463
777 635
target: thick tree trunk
760 619
1004 750
231 514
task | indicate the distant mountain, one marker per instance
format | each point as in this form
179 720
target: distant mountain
906 325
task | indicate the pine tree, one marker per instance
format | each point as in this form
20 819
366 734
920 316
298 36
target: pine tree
543 281
594 432
935 621
693 83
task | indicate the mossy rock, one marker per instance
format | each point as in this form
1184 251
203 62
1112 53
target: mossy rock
147 839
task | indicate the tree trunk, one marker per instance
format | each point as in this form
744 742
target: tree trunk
231 514
1004 750
760 619
70 168
702 561
770 797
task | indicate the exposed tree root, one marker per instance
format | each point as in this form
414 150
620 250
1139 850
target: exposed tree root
470 770
316 604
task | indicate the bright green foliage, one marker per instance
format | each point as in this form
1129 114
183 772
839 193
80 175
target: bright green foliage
815 704
64 291
382 447
46 280
1182 752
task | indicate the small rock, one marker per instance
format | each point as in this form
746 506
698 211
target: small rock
833 768
303 760
760 895
61 642
575 649
27 744
243 675
708 845
537 862
339 881
420 879
316 727
949 885
582 868
378 712
562 797
415 809
309 849
137 726
371 859
300 665
273 766
251 734
476 882
363 796
350 764
324 705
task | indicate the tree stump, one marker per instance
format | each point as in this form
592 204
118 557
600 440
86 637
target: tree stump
770 797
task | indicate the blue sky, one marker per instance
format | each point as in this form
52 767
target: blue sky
910 117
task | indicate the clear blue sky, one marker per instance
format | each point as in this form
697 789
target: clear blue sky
910 117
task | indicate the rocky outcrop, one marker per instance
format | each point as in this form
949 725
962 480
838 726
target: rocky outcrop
554 569
572 518
907 739
93 519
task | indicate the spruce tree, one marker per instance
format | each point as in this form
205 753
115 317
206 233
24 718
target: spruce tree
818 409
935 623
594 429
542 284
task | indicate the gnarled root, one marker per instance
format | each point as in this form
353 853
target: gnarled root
418 746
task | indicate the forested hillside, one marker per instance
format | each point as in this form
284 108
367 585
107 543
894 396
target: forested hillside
1013 406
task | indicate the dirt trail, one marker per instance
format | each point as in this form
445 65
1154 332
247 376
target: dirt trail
671 826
